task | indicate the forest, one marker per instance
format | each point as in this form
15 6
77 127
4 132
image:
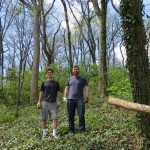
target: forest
108 39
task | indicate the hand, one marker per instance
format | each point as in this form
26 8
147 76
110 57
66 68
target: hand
65 99
39 105
86 100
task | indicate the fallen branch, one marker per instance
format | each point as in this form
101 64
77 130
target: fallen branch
129 105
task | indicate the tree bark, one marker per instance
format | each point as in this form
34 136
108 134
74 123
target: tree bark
36 56
46 46
69 35
102 15
1 54
137 59
35 7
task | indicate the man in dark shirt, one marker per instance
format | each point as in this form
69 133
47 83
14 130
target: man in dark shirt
47 101
73 94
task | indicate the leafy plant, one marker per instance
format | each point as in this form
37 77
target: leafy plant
6 114
119 83
106 128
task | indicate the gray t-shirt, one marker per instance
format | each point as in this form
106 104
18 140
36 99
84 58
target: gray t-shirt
50 89
76 85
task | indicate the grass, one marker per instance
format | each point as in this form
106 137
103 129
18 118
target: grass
107 128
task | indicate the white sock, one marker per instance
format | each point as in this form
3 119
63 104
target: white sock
54 132
44 131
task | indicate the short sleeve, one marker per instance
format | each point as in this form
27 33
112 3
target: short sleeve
67 82
86 82
42 87
58 87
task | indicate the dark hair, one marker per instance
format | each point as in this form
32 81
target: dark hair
76 66
49 69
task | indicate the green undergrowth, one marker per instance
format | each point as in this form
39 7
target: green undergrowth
6 115
107 128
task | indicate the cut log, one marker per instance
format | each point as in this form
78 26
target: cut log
129 105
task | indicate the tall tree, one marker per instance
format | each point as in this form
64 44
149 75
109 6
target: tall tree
8 12
137 59
102 15
85 26
69 34
48 46
20 41
35 6
1 54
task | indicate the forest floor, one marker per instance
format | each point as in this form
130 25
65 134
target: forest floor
107 128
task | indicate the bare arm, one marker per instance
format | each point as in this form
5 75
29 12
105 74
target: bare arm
87 91
40 96
66 91
86 99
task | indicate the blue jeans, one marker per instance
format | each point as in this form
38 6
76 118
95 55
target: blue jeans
72 104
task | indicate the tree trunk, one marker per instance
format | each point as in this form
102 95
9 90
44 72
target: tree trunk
36 10
48 50
129 105
103 50
19 86
36 54
102 15
89 37
1 55
137 59
69 35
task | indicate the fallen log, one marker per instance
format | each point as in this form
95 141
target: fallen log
129 105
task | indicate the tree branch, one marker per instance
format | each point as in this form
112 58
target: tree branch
50 8
25 3
115 7
129 105
96 8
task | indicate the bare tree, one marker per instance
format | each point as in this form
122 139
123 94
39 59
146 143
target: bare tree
69 34
7 9
85 26
49 43
35 6
21 42
101 13
1 54
113 39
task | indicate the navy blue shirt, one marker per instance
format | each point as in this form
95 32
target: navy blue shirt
50 89
76 85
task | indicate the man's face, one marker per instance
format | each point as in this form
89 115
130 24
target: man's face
75 71
49 74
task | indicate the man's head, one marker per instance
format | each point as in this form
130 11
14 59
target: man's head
75 70
49 73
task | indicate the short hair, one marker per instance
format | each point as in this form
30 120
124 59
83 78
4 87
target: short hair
49 69
76 66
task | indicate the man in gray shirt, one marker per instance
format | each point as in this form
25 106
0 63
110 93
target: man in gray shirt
73 94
